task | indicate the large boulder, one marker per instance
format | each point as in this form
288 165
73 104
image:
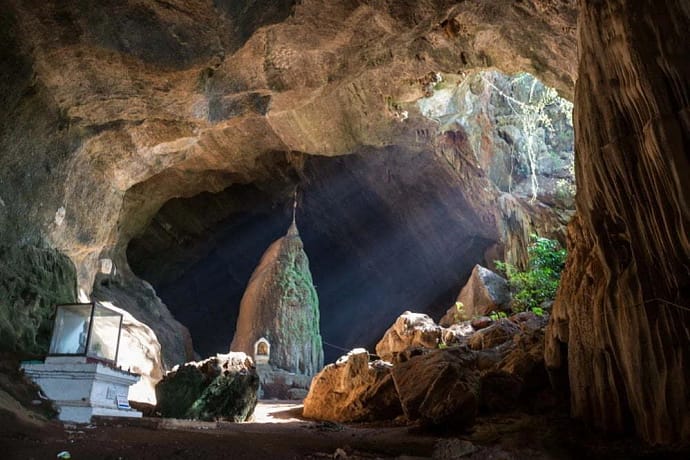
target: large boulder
139 352
483 293
440 387
224 386
353 389
409 330
280 305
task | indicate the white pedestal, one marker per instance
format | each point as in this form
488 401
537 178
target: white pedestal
82 389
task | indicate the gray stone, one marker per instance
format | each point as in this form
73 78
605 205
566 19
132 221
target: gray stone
484 292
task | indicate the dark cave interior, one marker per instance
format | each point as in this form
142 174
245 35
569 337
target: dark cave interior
370 257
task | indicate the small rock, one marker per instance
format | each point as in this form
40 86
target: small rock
481 322
451 449
498 333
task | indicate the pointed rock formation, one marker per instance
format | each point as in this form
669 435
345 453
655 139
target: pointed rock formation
281 305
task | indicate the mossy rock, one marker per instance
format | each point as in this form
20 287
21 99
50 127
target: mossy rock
230 396
222 387
32 281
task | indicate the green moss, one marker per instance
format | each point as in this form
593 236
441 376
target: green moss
231 396
176 395
32 281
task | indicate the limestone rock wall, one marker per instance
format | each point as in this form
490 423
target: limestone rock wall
32 281
139 299
620 322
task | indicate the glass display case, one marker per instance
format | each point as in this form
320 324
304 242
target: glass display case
89 329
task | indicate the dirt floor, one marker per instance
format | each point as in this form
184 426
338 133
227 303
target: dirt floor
280 433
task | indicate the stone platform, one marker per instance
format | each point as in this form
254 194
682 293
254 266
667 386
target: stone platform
82 388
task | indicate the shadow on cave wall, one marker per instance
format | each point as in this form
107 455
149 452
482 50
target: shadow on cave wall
385 230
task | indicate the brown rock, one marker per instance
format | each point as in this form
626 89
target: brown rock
498 333
619 329
409 330
500 391
353 389
139 352
440 387
481 323
138 298
483 293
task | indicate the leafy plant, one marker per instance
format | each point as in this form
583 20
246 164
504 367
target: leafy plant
540 281
496 315
459 312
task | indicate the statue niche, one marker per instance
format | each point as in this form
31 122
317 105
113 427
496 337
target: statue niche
262 350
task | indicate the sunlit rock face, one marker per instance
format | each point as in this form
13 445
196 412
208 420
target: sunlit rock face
111 111
620 322
281 306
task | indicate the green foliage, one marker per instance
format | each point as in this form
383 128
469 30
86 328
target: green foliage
496 315
459 313
539 283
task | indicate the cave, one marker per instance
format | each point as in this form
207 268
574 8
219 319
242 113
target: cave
363 245
154 153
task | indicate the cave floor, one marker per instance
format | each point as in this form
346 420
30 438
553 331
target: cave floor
279 432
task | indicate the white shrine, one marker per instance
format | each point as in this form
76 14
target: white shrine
80 373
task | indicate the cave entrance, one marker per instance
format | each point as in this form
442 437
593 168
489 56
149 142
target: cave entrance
386 229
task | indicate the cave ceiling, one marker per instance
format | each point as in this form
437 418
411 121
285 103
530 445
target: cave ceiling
137 102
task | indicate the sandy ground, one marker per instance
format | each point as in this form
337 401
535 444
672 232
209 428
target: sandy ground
279 432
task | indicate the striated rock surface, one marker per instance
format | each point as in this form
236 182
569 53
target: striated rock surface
353 390
221 387
409 330
484 293
619 328
281 305
439 388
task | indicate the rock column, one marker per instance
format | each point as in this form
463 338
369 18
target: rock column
621 321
